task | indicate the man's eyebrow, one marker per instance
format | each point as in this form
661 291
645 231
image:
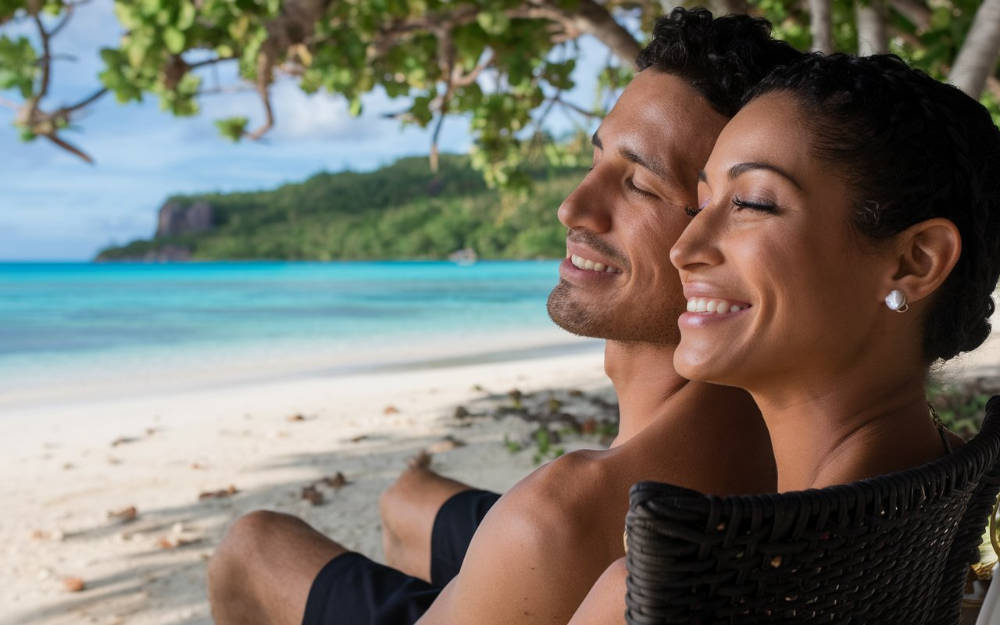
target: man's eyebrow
741 168
650 164
630 155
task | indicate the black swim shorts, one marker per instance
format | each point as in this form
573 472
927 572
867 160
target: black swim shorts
454 525
354 590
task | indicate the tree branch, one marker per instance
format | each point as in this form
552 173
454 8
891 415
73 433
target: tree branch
873 37
576 108
62 23
463 80
821 25
588 17
591 18
84 102
54 138
914 11
978 57
43 85
265 66
206 62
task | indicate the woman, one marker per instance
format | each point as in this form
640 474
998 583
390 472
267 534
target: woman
848 236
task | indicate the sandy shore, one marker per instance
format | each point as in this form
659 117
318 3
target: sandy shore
65 467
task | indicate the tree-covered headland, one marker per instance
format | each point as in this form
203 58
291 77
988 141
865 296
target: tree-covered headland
403 211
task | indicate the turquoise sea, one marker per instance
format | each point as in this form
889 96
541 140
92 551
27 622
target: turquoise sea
140 325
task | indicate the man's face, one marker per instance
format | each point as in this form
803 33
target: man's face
617 282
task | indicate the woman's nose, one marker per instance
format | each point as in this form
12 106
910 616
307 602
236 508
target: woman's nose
697 245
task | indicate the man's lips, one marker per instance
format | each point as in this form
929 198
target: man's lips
590 258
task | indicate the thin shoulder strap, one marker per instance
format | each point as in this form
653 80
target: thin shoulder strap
942 430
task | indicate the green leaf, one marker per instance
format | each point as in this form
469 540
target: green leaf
185 15
233 128
493 22
174 39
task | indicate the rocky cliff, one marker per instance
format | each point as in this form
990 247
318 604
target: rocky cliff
177 217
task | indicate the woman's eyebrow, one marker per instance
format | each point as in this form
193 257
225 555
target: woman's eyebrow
741 168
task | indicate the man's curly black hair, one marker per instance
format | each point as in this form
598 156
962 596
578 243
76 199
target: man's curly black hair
912 149
721 58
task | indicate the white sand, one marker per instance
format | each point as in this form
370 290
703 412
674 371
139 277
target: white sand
61 474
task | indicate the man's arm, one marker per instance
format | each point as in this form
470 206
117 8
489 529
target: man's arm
539 550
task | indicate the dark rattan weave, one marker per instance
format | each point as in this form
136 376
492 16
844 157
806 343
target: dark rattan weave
891 549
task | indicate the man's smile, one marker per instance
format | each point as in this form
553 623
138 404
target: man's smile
589 265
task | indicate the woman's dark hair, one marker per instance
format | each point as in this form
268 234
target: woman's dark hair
721 58
912 148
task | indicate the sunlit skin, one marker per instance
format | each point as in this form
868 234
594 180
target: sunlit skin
838 376
627 213
525 563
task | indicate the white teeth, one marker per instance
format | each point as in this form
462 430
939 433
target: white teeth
713 306
583 263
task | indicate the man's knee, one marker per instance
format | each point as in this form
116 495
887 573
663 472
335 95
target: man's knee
242 544
390 500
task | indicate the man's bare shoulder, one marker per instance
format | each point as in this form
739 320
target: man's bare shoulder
560 490
563 522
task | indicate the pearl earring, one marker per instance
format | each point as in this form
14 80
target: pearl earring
896 300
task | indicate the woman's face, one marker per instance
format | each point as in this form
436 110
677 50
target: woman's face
800 293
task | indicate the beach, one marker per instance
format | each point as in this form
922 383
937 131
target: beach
116 497
254 446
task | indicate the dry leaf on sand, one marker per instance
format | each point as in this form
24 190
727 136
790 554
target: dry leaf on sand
124 515
218 494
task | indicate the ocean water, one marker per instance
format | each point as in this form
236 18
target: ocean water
68 325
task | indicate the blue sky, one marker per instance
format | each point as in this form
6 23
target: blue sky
54 206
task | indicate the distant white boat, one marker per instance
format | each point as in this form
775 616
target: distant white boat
464 256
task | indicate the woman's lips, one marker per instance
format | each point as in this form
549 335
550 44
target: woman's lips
714 306
703 311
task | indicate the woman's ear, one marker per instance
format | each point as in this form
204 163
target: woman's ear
926 252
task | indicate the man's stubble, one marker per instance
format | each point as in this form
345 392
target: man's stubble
637 324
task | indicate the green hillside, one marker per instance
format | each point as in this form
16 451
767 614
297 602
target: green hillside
402 211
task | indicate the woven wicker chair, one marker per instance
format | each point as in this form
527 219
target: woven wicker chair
891 549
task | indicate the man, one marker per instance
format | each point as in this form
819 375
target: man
542 546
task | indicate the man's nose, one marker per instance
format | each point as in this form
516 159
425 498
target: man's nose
588 206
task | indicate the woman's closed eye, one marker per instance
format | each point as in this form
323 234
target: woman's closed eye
759 205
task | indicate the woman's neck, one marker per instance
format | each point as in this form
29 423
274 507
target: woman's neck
846 430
